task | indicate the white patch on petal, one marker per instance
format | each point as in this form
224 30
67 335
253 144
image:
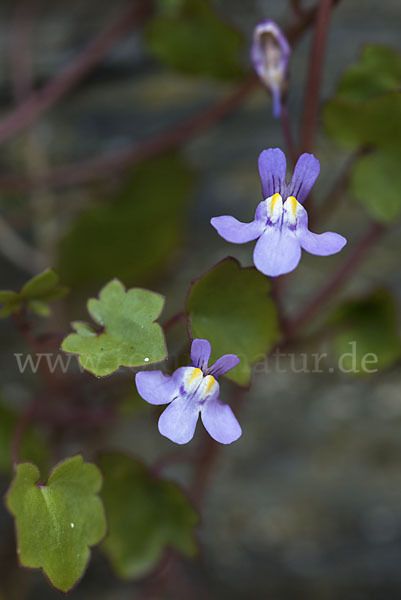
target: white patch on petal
198 384
274 208
292 209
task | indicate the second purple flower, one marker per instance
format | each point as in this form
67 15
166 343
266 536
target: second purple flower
281 222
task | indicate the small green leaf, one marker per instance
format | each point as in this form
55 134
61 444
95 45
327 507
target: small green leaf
44 286
58 521
192 39
378 71
376 183
128 336
230 306
35 295
145 516
135 231
366 336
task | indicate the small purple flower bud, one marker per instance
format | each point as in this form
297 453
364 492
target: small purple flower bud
270 54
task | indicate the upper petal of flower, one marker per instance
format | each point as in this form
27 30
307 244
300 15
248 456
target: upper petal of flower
200 353
223 365
272 170
305 174
322 244
277 251
220 422
157 388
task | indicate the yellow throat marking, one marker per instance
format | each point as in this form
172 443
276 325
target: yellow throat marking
293 205
197 373
273 202
210 383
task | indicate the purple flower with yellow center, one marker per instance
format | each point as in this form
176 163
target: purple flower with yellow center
270 54
191 391
281 222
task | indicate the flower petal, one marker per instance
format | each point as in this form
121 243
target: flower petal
178 421
223 365
155 387
200 353
277 252
272 170
322 244
305 174
236 232
220 422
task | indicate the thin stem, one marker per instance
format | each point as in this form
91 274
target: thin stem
338 280
177 318
311 101
104 166
37 103
288 135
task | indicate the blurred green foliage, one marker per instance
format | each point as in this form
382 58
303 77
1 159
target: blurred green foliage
365 115
189 37
35 295
371 324
33 447
145 516
135 231
57 523
230 306
128 335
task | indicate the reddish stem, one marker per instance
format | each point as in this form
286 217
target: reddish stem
37 103
311 101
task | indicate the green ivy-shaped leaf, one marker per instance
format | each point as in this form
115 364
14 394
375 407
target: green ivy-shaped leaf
378 71
145 516
35 295
376 184
230 306
366 334
127 334
189 37
134 231
59 521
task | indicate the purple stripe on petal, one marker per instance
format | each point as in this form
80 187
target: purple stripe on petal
305 174
272 170
200 353
220 422
236 232
155 387
277 252
223 365
178 421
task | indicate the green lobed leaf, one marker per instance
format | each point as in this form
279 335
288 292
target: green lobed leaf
376 183
59 521
128 335
376 122
378 71
145 516
189 37
135 232
367 326
230 306
34 295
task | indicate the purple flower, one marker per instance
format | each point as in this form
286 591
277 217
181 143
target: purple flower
281 222
270 54
190 391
